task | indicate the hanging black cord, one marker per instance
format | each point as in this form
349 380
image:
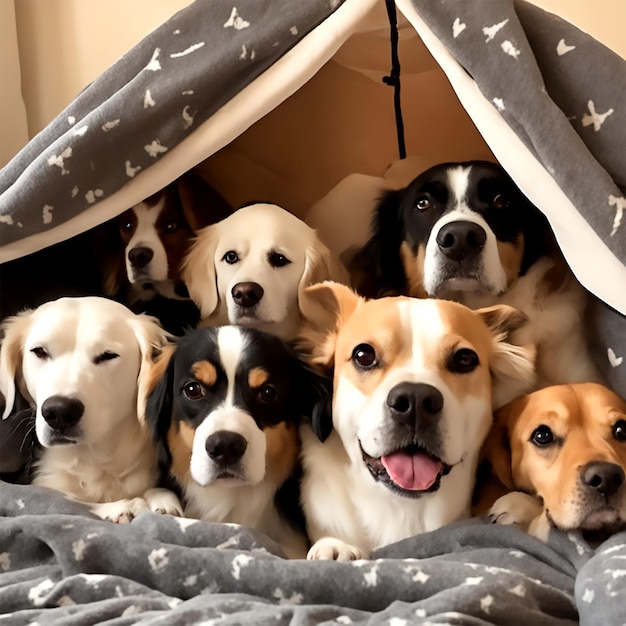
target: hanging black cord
394 78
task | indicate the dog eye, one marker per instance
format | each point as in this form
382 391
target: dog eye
542 436
278 260
40 353
267 394
193 391
105 356
423 203
231 257
500 201
126 227
364 356
619 430
463 361
171 227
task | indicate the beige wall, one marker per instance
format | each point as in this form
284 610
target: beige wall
64 44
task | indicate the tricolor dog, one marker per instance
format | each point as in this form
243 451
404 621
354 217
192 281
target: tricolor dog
465 232
225 409
562 452
414 383
250 269
141 258
79 364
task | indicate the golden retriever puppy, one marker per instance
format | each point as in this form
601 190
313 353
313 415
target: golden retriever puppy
251 268
79 363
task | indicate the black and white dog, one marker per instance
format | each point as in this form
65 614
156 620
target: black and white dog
225 408
465 232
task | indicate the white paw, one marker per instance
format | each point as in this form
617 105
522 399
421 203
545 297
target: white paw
120 511
515 507
163 501
331 549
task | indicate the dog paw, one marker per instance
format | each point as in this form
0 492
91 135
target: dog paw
163 501
121 511
516 508
331 549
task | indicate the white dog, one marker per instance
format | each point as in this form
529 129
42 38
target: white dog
79 363
250 269
413 387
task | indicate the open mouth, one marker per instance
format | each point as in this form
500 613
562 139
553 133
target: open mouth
410 471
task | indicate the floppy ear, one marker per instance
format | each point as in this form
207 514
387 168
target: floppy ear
324 307
198 270
15 329
512 366
158 413
202 203
497 447
151 337
316 399
321 264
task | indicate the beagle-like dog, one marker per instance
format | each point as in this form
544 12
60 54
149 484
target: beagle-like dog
79 364
414 383
562 453
251 268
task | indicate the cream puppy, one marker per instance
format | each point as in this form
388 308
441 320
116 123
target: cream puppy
414 384
250 269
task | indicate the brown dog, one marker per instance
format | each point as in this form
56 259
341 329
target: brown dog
562 450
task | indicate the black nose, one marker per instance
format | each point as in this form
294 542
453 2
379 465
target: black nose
604 477
62 413
225 447
410 402
140 256
247 294
460 240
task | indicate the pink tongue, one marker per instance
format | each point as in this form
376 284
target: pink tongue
412 471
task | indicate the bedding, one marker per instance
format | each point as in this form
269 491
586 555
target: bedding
59 564
549 101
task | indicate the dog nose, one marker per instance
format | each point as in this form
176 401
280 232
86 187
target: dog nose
247 294
140 256
62 413
462 239
411 402
604 477
225 447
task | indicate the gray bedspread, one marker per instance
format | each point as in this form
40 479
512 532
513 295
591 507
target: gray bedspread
61 565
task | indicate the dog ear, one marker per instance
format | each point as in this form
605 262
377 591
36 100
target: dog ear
321 264
152 338
324 306
316 399
202 204
379 265
15 329
158 400
497 446
512 366
198 270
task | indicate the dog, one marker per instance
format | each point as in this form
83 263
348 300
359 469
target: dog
224 409
561 453
250 269
79 363
141 250
465 232
414 382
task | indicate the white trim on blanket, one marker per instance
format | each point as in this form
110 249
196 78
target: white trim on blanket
253 102
572 230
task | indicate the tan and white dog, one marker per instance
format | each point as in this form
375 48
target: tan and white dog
250 269
562 453
80 364
414 382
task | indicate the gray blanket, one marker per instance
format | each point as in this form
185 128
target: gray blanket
61 565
